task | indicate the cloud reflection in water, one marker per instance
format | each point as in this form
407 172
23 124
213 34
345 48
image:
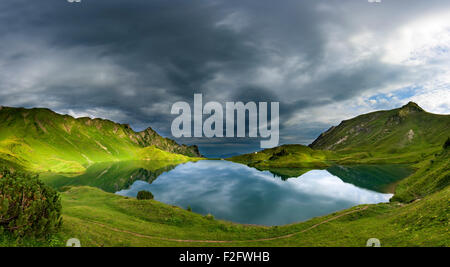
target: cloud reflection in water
242 194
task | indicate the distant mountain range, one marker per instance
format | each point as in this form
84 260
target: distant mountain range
41 140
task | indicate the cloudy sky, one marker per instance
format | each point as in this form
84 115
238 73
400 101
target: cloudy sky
129 61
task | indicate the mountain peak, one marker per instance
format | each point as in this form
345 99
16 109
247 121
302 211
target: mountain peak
149 130
412 106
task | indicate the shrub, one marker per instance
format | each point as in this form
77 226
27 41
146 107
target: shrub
189 208
447 143
209 217
28 207
143 195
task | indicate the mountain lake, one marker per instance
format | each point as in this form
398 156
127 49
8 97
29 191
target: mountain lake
242 194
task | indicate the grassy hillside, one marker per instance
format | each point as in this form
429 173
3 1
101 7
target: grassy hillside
406 132
41 140
418 215
102 219
404 135
98 218
433 175
287 156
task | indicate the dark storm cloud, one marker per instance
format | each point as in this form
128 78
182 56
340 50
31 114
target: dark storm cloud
131 60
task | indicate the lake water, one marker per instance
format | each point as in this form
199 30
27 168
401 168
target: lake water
242 194
238 193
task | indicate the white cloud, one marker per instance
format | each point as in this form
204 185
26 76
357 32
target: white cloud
102 113
434 100
420 46
235 21
421 41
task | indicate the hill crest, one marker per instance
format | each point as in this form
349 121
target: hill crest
403 129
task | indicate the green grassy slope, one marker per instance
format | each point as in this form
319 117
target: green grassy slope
41 140
433 175
287 156
102 219
98 218
407 132
404 135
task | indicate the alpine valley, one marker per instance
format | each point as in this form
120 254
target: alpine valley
95 163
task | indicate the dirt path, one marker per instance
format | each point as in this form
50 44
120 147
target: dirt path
227 241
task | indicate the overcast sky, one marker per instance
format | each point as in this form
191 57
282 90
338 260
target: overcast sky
130 60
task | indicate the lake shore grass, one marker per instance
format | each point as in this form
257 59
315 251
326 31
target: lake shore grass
98 218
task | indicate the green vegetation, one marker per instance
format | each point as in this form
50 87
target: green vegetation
287 156
144 195
98 218
447 143
27 206
406 134
40 140
8 240
96 212
432 176
113 220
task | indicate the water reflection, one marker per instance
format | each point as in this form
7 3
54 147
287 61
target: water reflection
241 194
112 176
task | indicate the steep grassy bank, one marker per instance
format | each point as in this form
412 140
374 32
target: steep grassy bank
432 176
41 140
